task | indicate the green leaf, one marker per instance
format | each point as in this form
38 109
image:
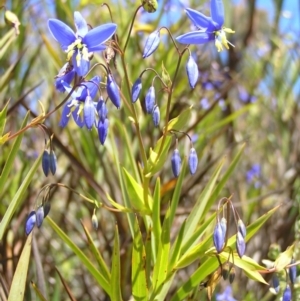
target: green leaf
156 217
38 292
155 163
180 121
165 76
115 270
284 258
3 118
138 276
162 262
99 277
102 265
136 194
17 288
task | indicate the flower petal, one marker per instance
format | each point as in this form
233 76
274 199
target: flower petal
91 85
77 118
89 112
196 37
199 20
82 66
61 32
97 48
80 24
99 35
217 12
65 115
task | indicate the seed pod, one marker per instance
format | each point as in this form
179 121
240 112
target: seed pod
103 130
240 244
192 71
47 207
156 116
231 274
89 112
53 162
193 161
102 109
287 294
149 6
218 237
46 162
293 272
275 283
39 216
94 221
151 43
113 91
242 228
136 90
150 100
176 163
30 222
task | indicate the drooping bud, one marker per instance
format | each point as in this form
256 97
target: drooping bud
293 272
193 161
231 275
47 207
52 161
192 71
275 283
46 162
151 43
136 90
240 244
224 226
12 19
89 112
150 100
287 294
103 130
242 228
218 237
30 222
94 221
113 91
176 163
156 116
149 6
39 216
225 270
102 109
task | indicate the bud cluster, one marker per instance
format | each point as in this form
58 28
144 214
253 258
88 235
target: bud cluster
49 160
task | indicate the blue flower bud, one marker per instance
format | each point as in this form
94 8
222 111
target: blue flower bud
102 130
89 112
218 237
287 294
293 272
30 222
240 244
46 162
193 161
102 109
242 228
224 226
275 283
136 90
53 162
150 100
39 216
47 207
151 43
176 163
113 91
156 116
192 71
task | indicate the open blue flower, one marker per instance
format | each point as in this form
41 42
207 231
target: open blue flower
78 45
208 28
81 106
226 295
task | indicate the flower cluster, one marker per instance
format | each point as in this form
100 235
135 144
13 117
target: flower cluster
208 28
79 47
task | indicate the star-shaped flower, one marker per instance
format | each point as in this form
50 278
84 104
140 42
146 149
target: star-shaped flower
78 45
208 28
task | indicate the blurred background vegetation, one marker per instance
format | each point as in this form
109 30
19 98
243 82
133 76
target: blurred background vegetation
248 94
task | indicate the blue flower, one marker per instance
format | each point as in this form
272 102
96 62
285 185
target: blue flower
226 295
77 105
66 74
253 175
208 28
78 45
